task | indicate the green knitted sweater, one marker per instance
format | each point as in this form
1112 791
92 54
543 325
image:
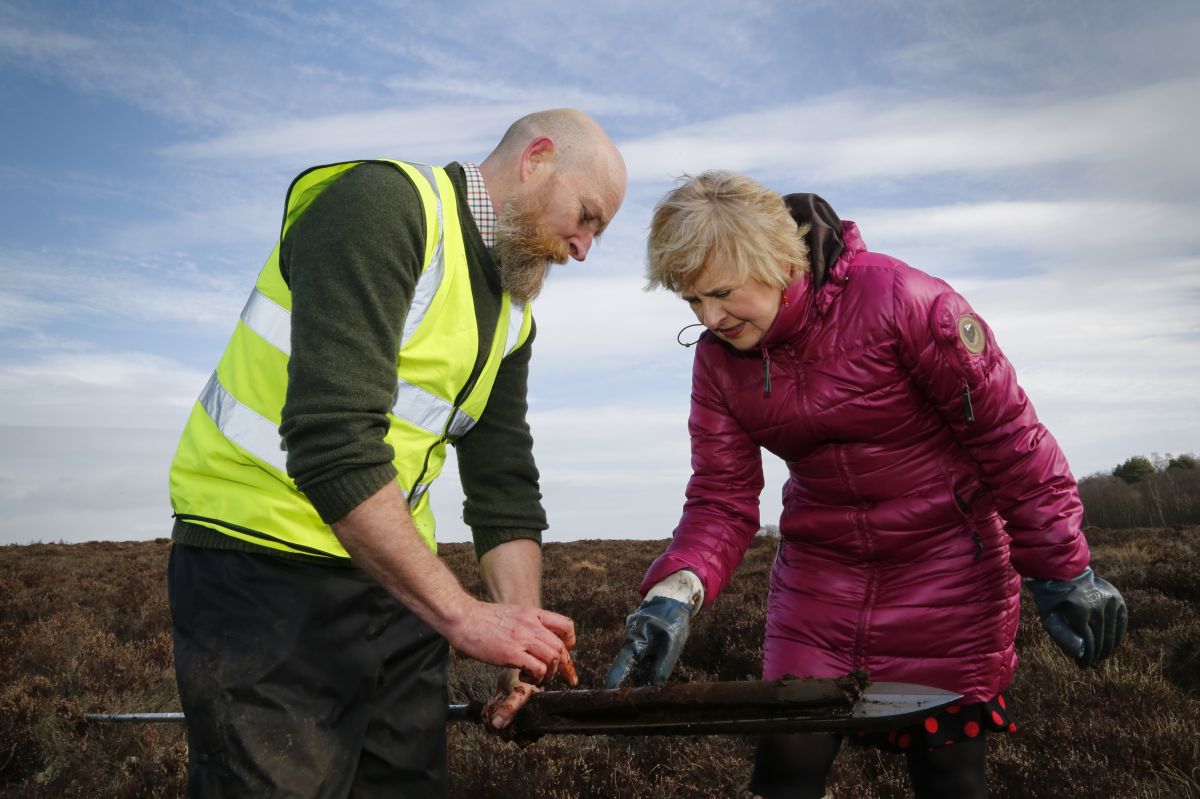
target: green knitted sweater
352 262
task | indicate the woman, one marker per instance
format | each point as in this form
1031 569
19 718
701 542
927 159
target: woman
921 486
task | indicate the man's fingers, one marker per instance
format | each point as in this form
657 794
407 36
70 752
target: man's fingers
567 667
560 625
503 712
551 647
544 648
533 671
551 670
550 631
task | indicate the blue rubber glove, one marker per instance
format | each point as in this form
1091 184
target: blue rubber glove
1085 616
654 637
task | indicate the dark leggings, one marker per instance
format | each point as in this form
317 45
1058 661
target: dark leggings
795 767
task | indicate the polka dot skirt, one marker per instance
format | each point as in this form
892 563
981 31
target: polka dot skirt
950 724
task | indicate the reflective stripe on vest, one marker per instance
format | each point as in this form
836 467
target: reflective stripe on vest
230 470
431 279
259 436
413 404
270 320
242 425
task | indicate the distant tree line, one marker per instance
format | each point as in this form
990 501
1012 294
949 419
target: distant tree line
1159 491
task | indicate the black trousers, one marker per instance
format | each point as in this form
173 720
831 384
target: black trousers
303 680
796 767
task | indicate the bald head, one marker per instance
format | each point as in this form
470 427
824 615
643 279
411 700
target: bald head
574 133
564 139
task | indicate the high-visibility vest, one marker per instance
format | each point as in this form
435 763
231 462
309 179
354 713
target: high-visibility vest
229 472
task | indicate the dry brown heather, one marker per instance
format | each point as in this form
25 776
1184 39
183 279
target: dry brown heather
85 628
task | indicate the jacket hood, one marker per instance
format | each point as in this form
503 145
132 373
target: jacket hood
824 236
831 252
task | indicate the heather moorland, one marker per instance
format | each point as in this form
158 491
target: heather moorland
85 627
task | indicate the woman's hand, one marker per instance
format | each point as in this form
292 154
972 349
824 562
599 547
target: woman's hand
1085 616
654 637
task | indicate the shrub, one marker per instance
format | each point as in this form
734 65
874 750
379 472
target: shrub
85 628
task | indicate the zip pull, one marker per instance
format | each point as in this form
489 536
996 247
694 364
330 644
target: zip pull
970 411
766 359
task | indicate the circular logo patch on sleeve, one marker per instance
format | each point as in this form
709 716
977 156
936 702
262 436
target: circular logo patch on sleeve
970 333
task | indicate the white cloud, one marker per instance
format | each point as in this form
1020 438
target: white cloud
608 471
605 324
65 483
1111 361
88 438
42 46
1053 47
212 227
98 390
112 61
430 133
856 135
63 289
1077 238
20 312
532 96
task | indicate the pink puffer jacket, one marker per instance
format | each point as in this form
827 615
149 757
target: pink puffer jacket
921 482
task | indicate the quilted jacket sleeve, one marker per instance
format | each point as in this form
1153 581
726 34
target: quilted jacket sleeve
720 514
953 357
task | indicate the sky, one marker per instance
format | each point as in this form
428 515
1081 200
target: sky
1041 157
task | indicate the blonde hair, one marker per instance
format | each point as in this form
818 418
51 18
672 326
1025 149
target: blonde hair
725 218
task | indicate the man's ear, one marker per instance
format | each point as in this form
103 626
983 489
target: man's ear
538 154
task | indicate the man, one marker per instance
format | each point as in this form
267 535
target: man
311 614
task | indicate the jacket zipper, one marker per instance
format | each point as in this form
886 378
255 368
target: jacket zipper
860 643
969 412
965 511
859 516
766 362
454 411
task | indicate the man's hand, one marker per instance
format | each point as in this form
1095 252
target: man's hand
511 696
1085 616
380 536
532 640
515 688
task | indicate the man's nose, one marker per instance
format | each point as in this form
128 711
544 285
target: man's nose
579 244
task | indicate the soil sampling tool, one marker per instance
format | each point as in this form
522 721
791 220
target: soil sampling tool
793 704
